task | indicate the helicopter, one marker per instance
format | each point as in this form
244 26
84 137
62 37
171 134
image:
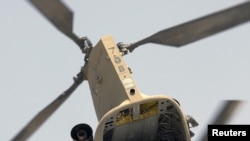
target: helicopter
122 49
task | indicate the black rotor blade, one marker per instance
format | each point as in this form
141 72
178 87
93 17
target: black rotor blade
43 115
224 114
200 28
59 15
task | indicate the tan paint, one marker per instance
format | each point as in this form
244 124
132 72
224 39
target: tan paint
109 77
122 110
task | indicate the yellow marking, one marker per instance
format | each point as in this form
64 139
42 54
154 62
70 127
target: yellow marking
124 117
146 110
149 109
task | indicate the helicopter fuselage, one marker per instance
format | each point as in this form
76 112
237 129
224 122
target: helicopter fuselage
124 113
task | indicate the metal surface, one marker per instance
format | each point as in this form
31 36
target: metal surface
44 114
228 108
197 29
165 121
109 77
59 15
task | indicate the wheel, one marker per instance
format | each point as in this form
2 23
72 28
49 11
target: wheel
82 132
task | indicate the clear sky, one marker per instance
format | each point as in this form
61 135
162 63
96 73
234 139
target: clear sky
38 62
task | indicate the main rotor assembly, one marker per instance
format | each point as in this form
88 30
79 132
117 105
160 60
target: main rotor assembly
62 18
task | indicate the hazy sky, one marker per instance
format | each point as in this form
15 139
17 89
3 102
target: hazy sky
38 62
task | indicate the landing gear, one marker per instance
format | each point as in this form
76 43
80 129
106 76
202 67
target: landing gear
82 132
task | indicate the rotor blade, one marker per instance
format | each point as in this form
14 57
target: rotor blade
200 28
59 15
224 114
43 115
228 109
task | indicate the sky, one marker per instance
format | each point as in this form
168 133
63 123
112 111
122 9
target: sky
38 62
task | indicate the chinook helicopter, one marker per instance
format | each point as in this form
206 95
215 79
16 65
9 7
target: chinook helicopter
152 117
